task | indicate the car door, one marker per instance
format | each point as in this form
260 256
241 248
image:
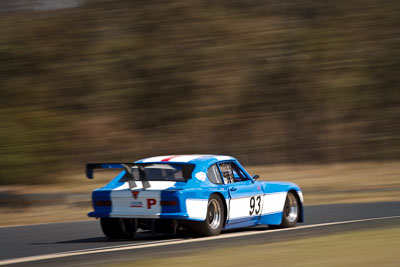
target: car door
245 203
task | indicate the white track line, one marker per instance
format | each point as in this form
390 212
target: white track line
45 223
173 242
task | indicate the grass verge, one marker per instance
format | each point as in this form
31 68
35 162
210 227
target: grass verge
378 247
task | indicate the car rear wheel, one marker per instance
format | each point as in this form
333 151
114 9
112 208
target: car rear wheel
214 221
291 211
118 228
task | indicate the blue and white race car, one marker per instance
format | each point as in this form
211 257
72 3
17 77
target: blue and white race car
201 193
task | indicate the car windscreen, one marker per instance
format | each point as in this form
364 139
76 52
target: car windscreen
163 172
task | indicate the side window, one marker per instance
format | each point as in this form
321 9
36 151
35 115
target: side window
213 175
232 173
238 174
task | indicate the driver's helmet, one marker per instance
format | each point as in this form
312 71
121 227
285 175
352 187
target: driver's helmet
227 173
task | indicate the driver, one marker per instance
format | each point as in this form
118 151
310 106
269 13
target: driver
227 173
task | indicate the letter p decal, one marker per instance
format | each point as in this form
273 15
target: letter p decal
151 202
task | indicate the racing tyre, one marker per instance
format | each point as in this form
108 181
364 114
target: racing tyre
291 211
118 228
214 221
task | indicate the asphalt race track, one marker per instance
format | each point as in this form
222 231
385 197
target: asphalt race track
82 243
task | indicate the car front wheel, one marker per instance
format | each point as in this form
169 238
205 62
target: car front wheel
291 211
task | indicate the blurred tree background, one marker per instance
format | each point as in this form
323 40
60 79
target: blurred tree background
271 81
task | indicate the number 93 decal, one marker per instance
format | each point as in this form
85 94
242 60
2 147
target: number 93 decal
255 205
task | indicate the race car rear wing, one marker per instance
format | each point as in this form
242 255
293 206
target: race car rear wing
91 166
128 177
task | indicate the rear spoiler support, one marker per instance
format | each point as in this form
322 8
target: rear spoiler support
128 177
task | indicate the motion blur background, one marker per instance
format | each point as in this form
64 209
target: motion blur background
269 82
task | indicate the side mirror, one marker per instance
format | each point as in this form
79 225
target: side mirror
255 177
